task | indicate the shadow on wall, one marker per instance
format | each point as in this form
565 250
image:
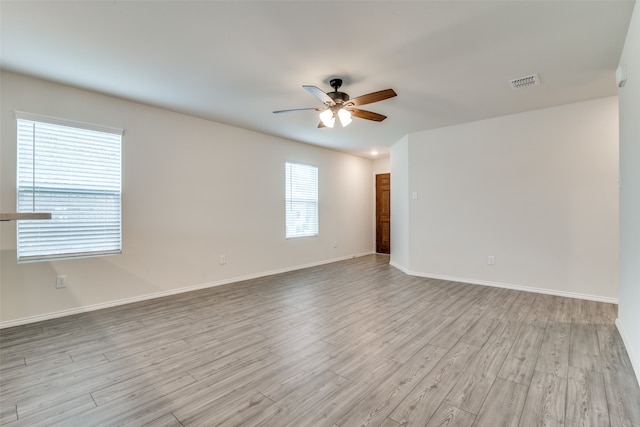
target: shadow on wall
29 291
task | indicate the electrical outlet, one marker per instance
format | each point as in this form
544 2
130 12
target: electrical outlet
223 259
335 244
61 282
491 260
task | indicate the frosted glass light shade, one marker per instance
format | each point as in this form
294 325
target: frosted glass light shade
327 118
345 117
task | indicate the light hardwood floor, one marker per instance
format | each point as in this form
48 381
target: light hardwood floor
354 343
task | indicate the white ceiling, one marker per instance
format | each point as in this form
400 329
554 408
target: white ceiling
236 61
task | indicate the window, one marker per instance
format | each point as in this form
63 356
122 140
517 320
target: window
302 200
73 171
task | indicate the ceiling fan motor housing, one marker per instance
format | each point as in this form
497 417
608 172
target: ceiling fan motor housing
338 97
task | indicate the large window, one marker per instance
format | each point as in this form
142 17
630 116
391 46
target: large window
301 200
73 171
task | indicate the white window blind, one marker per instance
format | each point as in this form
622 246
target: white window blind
301 200
72 171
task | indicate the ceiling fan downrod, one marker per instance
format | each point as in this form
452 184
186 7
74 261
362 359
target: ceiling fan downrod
338 97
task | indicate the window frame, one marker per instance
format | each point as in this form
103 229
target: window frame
313 201
109 228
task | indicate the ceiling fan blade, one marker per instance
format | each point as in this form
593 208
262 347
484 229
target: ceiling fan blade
364 114
373 97
296 109
321 125
318 93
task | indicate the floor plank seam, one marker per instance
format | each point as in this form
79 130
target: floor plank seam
177 419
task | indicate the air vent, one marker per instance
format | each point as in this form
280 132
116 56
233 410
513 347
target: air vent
527 81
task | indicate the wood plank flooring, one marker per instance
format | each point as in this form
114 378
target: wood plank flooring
354 343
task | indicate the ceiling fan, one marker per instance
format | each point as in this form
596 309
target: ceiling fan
338 104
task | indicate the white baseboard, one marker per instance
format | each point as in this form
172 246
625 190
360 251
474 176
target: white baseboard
108 304
633 357
401 268
508 286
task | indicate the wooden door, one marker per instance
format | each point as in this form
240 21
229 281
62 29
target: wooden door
383 213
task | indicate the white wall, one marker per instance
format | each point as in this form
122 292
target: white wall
537 190
192 190
400 204
381 166
629 95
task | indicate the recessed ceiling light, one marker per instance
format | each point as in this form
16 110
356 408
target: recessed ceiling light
374 153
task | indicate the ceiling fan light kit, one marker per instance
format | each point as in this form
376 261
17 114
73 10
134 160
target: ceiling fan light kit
338 104
327 118
345 117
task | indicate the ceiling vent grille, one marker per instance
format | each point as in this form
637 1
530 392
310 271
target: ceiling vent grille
527 81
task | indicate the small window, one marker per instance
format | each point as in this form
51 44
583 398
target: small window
72 171
301 200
